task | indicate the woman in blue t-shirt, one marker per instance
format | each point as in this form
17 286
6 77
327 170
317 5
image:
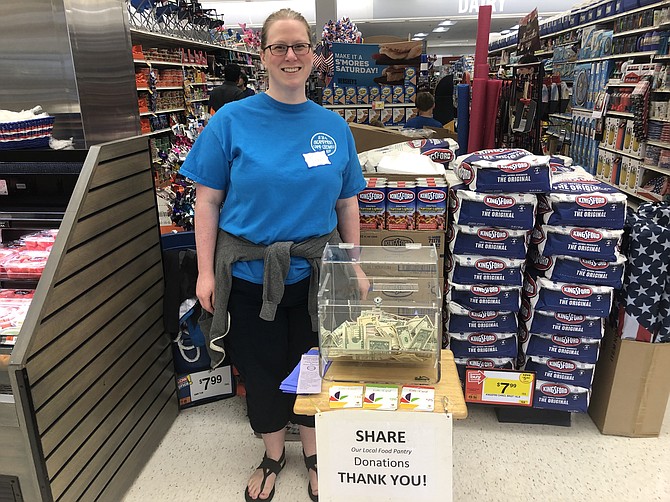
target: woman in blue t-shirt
272 171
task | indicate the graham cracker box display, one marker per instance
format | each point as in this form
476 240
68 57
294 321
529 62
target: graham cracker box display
363 95
350 97
631 387
350 114
338 96
410 93
398 94
410 113
374 92
328 97
374 115
386 93
398 116
362 116
339 111
387 116
410 75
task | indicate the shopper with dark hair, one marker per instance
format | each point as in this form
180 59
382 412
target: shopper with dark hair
228 91
242 86
247 181
425 103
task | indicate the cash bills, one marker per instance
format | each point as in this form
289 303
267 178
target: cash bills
378 335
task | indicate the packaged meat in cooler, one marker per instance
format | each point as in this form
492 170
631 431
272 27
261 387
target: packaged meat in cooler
16 295
26 264
6 253
41 241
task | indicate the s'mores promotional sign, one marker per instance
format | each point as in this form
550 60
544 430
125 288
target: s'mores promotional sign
375 64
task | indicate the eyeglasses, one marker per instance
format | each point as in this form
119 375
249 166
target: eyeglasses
282 49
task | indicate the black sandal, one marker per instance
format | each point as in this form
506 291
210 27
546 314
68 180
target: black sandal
268 466
310 463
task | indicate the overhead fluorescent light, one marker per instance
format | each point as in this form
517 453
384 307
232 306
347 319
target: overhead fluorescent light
440 29
447 22
421 34
418 39
515 27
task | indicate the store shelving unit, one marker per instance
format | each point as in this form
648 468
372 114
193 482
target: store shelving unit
89 386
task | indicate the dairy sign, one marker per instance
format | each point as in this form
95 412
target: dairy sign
378 455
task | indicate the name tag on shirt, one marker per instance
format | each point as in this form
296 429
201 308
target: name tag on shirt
315 159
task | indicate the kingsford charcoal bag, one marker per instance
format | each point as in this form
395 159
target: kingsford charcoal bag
488 241
581 270
462 320
560 397
574 348
572 298
504 170
510 210
483 270
483 344
561 323
597 209
561 370
589 243
485 297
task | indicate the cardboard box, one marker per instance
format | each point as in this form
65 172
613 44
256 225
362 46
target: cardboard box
350 96
369 137
402 237
631 387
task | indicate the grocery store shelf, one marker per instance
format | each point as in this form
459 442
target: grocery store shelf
386 105
658 143
170 87
637 30
619 152
156 63
620 84
619 114
658 119
657 169
169 110
158 131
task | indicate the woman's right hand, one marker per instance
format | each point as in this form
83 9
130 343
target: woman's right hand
204 290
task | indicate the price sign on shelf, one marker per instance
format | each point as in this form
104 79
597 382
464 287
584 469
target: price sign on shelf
498 387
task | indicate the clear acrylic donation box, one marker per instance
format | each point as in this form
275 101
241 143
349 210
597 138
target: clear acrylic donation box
387 331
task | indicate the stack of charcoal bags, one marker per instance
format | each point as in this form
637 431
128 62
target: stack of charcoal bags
644 305
569 272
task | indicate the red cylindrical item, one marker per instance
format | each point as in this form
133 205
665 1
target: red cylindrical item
493 88
482 47
477 115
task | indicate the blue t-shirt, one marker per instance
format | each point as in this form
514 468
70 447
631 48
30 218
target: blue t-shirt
419 122
283 168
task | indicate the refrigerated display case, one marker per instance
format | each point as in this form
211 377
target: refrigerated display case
87 391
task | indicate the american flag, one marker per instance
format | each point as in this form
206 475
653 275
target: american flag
646 295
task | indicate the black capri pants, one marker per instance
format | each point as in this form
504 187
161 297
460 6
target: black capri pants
265 352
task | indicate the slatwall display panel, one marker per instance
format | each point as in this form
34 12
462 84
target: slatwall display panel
99 364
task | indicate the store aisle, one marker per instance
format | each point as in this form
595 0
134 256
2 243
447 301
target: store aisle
210 451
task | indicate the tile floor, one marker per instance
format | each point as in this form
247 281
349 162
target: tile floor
210 451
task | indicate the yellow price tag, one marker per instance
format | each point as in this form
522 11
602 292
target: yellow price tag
501 387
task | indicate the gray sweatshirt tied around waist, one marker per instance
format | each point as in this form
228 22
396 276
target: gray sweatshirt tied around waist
277 260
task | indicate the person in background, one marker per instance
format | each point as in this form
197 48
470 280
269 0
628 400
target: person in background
242 86
246 208
425 103
228 91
